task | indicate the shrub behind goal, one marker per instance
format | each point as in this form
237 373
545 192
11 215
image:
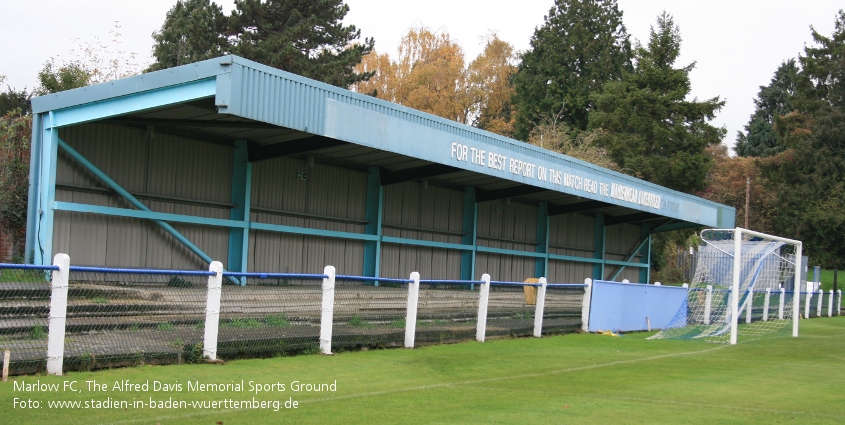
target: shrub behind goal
746 284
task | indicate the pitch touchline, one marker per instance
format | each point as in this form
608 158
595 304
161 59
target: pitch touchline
446 384
502 378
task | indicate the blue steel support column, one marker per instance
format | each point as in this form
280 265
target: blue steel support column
645 254
375 199
46 192
34 179
469 228
541 267
598 246
241 197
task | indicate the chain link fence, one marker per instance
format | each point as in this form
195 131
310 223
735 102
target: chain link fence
269 315
366 315
24 317
447 311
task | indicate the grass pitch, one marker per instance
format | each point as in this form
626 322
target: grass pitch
562 379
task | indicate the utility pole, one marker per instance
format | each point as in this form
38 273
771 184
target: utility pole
747 199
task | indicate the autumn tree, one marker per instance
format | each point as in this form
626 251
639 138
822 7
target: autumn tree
193 30
581 46
490 87
649 125
729 180
429 74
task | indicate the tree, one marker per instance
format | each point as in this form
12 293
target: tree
809 175
556 136
429 74
773 101
648 124
490 87
581 46
193 30
13 100
15 133
54 77
727 184
306 37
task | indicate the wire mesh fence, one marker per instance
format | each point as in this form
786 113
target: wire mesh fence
563 308
24 316
366 315
447 311
120 317
270 314
123 317
511 309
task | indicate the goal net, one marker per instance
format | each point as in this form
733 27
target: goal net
745 285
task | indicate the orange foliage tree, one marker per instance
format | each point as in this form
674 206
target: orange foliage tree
430 74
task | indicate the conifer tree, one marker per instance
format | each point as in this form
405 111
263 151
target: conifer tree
581 45
649 128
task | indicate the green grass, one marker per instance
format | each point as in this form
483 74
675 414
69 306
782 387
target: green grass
570 379
241 323
277 321
359 322
166 326
37 332
827 279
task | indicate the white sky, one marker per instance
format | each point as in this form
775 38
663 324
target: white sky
736 44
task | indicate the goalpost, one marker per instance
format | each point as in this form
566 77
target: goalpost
740 273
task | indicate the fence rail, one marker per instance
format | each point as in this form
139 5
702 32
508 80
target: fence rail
62 317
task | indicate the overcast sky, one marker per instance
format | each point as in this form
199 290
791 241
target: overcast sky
736 44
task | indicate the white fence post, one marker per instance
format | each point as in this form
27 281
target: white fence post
830 304
212 310
327 316
411 314
585 305
781 303
749 305
483 299
766 304
58 315
538 308
838 302
820 293
708 301
807 304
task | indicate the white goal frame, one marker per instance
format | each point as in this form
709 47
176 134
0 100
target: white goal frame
737 271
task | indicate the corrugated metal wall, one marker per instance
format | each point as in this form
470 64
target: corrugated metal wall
571 234
162 166
330 198
184 176
620 241
431 213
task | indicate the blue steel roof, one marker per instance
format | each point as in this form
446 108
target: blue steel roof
247 89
